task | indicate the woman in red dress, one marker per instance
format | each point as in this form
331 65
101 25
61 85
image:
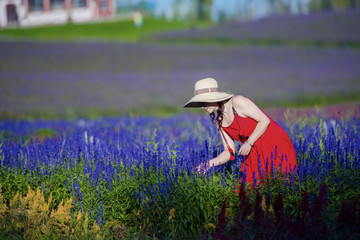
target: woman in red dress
266 147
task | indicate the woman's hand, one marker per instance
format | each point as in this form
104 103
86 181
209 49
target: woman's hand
202 168
245 149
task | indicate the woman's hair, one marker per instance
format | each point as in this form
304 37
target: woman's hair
220 114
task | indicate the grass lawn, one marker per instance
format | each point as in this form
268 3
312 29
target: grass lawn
110 30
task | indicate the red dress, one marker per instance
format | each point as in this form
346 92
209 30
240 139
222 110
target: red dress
272 151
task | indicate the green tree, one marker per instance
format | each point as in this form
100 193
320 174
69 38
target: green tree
319 5
344 4
203 10
177 9
279 6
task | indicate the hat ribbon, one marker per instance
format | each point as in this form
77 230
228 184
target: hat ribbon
206 90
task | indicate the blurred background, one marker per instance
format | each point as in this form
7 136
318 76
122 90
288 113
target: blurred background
96 58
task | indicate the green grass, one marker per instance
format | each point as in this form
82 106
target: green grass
108 31
163 110
312 100
224 41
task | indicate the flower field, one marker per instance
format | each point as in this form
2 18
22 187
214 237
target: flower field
329 28
92 79
295 63
133 176
95 144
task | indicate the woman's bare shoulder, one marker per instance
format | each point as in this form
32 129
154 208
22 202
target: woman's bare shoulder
240 100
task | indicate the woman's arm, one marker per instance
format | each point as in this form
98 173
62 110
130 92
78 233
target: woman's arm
222 157
249 109
225 155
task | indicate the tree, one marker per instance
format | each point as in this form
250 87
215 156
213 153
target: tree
320 5
203 9
177 9
279 6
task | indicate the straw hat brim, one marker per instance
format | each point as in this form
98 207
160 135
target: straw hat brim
200 100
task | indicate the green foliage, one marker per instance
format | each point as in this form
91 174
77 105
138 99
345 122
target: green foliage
167 217
321 5
162 216
153 145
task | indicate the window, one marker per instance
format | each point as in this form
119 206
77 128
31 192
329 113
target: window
79 3
11 13
57 4
35 5
103 5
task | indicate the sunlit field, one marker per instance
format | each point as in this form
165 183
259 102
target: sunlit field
95 144
136 174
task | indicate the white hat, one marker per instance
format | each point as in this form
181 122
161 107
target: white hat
207 91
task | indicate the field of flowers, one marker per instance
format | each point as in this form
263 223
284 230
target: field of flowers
58 79
133 176
72 79
86 151
317 29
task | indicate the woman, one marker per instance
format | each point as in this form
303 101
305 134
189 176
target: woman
266 147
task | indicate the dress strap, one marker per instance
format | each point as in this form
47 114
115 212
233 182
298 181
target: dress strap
237 121
235 113
232 103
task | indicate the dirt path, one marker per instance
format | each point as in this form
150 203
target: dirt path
335 111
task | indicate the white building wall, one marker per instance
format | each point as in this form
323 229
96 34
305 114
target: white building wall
44 18
3 20
58 16
84 14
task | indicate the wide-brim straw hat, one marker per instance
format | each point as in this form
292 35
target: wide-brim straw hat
207 91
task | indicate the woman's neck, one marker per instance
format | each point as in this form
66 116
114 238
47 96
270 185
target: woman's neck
228 115
227 107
